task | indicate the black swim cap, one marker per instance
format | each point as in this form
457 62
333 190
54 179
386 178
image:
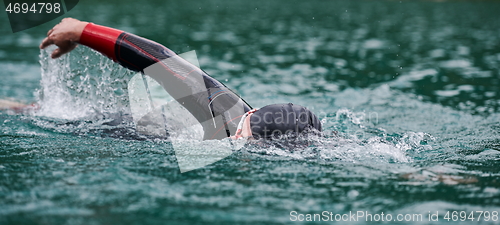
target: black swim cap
273 121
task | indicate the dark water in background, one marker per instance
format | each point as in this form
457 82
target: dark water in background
410 87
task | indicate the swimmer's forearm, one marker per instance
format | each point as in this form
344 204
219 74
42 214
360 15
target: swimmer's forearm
101 39
131 51
6 104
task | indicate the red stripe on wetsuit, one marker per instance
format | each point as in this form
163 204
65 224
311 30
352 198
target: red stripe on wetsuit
131 51
101 39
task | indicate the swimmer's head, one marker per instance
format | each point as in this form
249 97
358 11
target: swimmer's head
274 121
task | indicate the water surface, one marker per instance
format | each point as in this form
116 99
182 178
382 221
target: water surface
407 92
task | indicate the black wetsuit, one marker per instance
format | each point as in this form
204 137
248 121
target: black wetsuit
216 107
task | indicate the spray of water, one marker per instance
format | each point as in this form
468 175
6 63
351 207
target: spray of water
81 85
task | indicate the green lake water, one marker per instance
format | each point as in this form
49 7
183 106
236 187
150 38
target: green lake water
407 91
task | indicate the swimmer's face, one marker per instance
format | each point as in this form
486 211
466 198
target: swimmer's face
246 131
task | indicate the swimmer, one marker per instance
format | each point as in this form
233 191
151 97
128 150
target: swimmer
12 105
219 110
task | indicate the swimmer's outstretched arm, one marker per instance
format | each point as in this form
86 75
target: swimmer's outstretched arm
12 105
131 51
207 99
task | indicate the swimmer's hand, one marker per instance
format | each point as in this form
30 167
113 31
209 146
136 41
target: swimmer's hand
65 35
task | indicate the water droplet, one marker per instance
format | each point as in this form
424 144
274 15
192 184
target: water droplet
352 194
